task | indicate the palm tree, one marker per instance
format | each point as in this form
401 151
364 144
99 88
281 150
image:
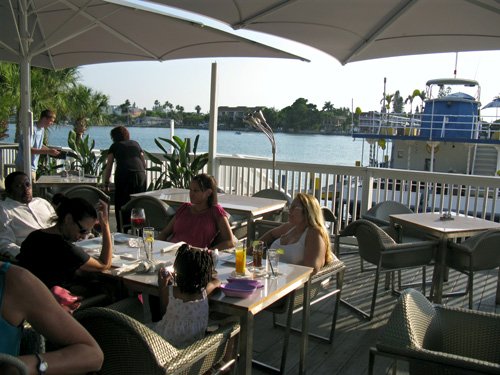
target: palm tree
328 107
412 97
83 105
48 90
422 96
168 105
387 100
9 92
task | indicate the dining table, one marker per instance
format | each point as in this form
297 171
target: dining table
44 182
248 208
444 227
289 278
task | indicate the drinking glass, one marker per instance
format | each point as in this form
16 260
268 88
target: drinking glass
273 261
66 168
137 220
148 235
81 174
257 253
240 253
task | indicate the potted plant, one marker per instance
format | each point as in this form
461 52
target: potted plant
181 166
85 157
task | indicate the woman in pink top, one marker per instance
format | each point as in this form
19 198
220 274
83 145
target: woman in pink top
202 222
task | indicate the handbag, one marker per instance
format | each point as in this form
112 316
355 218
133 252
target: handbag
68 301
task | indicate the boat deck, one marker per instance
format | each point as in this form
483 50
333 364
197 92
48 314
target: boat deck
348 354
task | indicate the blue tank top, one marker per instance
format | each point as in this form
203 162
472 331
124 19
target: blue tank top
10 336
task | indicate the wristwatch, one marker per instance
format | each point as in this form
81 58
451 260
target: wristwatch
42 365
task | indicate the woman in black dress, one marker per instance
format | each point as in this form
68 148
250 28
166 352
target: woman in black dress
130 171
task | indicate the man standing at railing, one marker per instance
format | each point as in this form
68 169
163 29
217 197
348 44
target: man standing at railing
47 118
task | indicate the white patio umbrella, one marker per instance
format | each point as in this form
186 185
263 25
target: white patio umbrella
355 30
495 103
58 34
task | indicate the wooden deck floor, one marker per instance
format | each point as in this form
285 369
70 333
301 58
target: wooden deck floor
348 354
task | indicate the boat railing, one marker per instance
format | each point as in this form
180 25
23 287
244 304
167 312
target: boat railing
429 127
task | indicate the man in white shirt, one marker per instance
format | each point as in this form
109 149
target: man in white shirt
21 214
47 118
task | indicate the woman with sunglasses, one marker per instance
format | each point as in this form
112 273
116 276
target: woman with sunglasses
51 255
304 238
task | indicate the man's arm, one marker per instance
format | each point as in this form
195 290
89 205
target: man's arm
44 150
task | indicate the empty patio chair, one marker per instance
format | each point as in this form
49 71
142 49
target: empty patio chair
274 194
438 339
158 213
379 214
380 249
87 192
132 348
477 253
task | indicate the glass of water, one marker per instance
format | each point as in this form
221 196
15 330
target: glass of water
148 235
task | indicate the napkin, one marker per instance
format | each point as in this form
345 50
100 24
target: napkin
172 247
125 268
151 267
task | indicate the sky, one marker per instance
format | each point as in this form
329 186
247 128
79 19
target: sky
279 82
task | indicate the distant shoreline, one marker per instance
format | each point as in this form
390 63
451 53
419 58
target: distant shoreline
242 130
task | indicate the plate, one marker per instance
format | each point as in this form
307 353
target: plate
121 237
246 282
237 290
93 243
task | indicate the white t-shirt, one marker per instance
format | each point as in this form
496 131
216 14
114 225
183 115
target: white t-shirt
183 322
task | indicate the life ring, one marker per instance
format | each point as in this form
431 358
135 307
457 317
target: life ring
429 148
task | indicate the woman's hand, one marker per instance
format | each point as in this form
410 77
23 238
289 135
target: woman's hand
102 212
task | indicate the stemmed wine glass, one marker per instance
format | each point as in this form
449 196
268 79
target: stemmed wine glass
137 220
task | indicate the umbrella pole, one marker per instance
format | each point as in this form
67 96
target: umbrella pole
212 135
25 75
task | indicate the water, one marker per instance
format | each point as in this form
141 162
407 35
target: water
305 148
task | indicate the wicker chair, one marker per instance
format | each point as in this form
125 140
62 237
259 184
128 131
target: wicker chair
380 249
379 214
158 213
439 339
476 253
9 363
274 194
89 193
132 348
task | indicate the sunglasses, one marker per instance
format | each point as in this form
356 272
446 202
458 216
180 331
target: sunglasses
82 229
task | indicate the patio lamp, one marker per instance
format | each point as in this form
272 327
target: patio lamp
257 120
